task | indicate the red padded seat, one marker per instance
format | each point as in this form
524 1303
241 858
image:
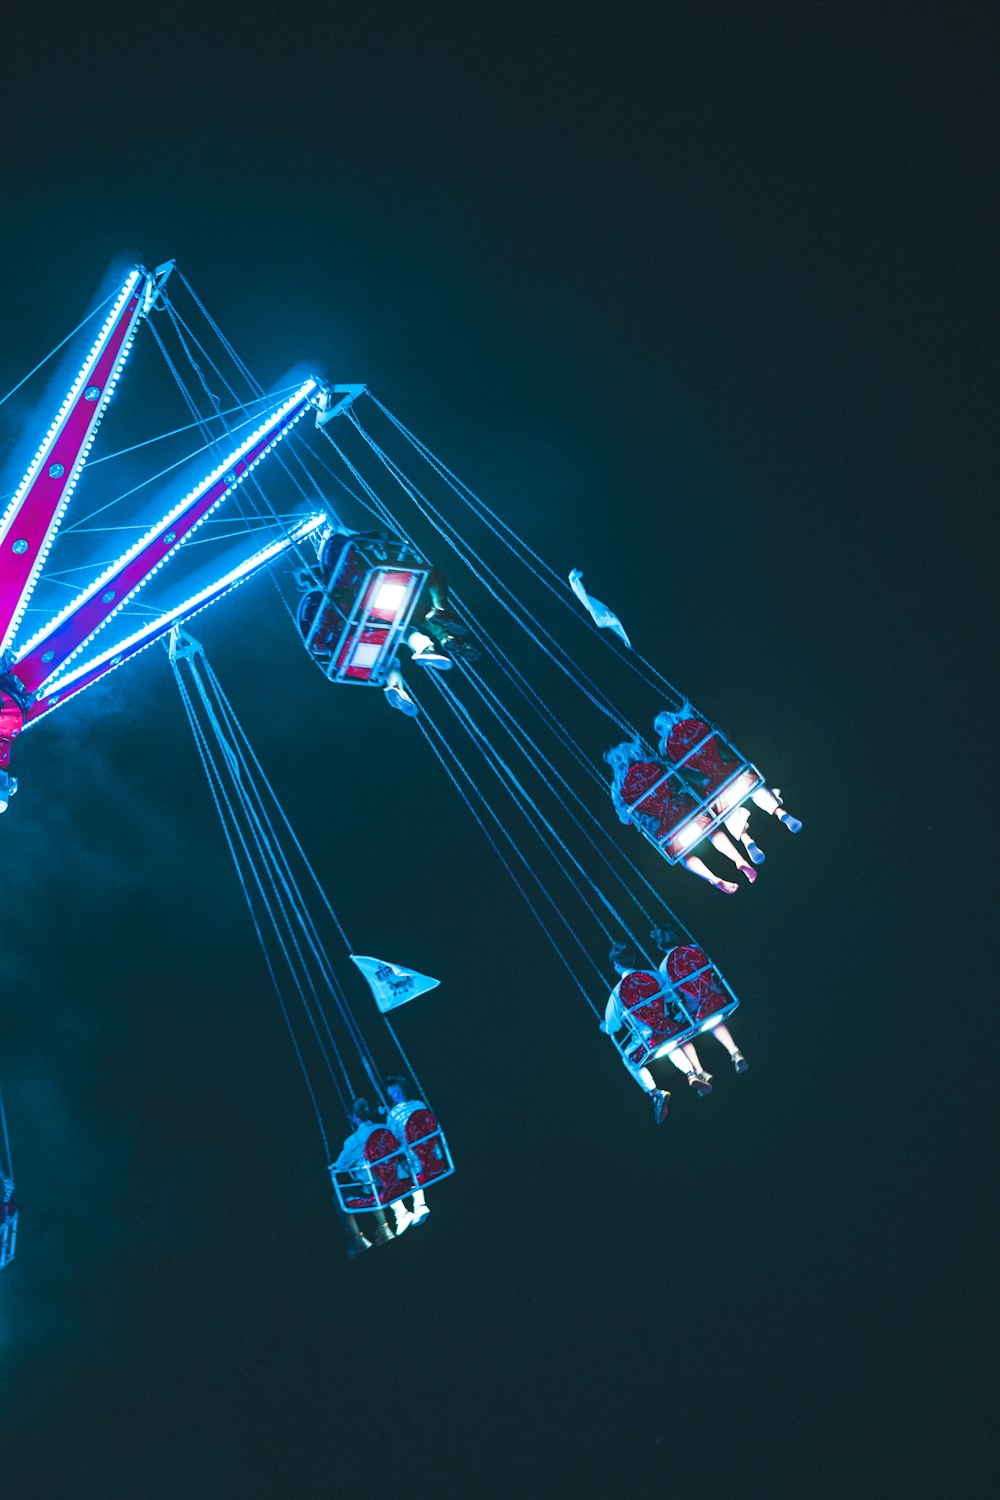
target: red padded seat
385 1157
703 996
712 763
342 565
643 997
641 994
666 803
330 624
423 1136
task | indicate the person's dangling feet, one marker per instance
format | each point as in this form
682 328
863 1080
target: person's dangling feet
429 656
357 1245
755 852
701 1083
397 697
382 1235
749 872
661 1099
794 825
739 1062
403 1219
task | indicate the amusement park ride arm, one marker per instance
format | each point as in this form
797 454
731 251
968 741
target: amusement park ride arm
85 676
74 627
39 675
36 509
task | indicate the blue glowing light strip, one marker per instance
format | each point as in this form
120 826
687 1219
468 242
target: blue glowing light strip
84 676
278 422
80 382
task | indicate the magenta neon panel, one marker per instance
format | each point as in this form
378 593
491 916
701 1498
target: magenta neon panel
51 650
33 519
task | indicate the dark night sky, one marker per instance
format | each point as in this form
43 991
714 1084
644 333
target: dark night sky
699 295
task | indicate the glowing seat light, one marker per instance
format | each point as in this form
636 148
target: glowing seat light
686 837
389 597
738 790
354 624
366 654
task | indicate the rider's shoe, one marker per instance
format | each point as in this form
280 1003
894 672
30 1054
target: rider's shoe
427 656
398 697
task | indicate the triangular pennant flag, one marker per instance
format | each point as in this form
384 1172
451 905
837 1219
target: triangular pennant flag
391 984
599 613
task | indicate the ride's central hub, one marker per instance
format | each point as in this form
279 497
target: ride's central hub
11 718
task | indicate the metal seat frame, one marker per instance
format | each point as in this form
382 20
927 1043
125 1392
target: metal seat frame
362 1181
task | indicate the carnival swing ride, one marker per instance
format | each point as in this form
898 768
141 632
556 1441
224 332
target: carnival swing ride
426 580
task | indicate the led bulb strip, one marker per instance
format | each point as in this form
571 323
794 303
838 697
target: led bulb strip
74 627
37 506
85 676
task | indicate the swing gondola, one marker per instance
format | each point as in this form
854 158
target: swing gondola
392 1169
354 623
680 800
662 1010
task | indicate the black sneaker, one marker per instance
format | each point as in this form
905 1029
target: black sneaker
660 1101
357 1246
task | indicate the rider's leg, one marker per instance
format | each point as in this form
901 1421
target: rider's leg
396 694
770 802
738 824
698 867
724 1035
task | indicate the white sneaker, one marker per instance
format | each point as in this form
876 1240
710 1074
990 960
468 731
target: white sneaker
398 697
427 656
421 1213
403 1222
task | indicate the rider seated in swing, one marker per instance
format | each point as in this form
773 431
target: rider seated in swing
649 1007
352 1159
659 807
440 637
435 635
707 761
698 989
404 1104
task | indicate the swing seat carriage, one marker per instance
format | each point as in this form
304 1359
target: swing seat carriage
684 997
393 1169
353 625
677 803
